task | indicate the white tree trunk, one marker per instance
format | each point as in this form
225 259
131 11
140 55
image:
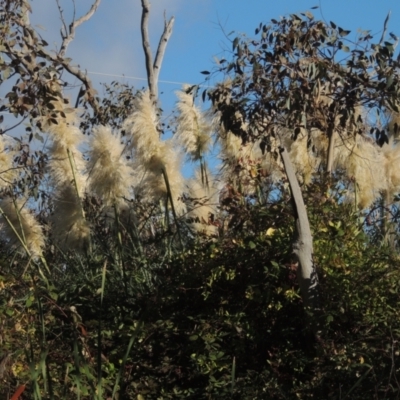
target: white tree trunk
303 243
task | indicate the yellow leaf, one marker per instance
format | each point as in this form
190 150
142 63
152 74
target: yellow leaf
270 231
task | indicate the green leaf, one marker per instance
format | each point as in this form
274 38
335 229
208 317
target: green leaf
38 137
252 245
275 264
29 301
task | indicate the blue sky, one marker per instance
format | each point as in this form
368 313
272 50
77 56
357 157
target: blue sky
110 42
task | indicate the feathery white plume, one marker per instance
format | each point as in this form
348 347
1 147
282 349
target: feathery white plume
24 227
391 163
303 158
66 167
69 226
66 161
110 176
153 156
362 161
7 171
193 130
203 205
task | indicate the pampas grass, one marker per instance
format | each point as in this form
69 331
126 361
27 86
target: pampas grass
362 161
193 130
69 226
145 138
66 161
66 169
158 159
303 158
245 166
203 204
391 163
20 228
110 176
7 172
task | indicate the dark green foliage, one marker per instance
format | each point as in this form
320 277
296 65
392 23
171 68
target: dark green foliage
221 319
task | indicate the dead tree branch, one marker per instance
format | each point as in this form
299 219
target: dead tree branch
58 60
162 46
147 48
69 36
153 70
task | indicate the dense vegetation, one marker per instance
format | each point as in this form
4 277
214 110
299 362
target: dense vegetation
219 319
121 280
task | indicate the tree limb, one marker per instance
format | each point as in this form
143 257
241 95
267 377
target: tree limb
59 60
147 49
63 29
67 38
153 70
161 47
90 90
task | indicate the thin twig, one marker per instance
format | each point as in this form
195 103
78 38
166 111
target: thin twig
63 29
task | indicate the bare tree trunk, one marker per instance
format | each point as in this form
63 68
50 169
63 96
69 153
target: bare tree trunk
153 70
303 243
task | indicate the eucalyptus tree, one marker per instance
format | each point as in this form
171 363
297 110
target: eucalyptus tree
304 78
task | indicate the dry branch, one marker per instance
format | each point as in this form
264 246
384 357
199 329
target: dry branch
147 48
161 47
153 70
58 60
68 37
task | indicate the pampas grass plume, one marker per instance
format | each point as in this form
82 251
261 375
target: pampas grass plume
66 161
110 176
391 162
193 131
24 223
302 157
362 161
204 204
146 143
154 156
7 172
69 226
